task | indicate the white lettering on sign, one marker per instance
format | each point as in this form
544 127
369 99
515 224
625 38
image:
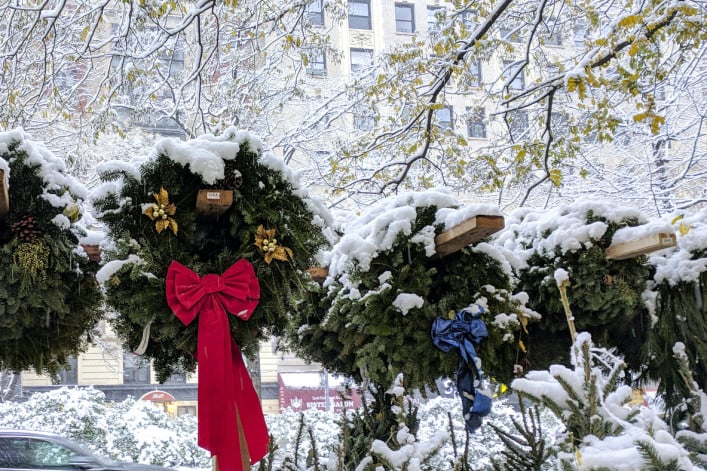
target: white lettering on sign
213 195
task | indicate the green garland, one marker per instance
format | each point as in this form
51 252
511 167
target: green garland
48 294
353 327
263 195
605 295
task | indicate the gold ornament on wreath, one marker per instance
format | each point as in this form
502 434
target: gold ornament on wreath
162 212
265 240
32 258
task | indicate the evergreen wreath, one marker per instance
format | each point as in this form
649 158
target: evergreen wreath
49 297
149 209
605 295
358 323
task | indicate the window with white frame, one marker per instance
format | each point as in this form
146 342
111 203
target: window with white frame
317 63
70 373
315 12
475 122
360 59
474 76
517 123
551 32
360 14
445 116
136 369
435 18
580 32
404 18
511 32
469 19
513 75
364 121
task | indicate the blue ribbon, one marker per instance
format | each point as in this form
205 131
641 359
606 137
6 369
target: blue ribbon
462 332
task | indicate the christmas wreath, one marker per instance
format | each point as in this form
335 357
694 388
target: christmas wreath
157 211
372 319
48 292
604 295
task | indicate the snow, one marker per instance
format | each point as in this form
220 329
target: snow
112 267
406 301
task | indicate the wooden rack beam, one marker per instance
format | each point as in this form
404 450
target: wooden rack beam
644 245
452 240
472 230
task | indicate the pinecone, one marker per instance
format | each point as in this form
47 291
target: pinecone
233 179
25 229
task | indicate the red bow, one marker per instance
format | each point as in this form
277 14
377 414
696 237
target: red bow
225 392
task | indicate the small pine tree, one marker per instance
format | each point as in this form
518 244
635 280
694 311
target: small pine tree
593 407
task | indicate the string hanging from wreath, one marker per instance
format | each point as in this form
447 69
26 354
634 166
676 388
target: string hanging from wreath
156 215
48 295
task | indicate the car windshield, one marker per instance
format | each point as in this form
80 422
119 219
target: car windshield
43 452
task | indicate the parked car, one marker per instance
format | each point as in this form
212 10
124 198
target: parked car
27 450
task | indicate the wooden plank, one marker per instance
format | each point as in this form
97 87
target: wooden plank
4 197
318 274
472 230
213 202
93 252
452 240
644 245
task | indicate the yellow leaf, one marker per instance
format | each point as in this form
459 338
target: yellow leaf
84 33
522 346
556 176
161 224
683 228
677 218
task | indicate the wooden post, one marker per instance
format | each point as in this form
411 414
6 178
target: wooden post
4 197
644 245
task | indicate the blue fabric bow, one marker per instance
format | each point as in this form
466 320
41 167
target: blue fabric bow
465 330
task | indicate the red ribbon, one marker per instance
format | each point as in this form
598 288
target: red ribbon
225 391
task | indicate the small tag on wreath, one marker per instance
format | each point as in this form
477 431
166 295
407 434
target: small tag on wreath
213 202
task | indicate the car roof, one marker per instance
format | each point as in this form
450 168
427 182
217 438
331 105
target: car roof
28 433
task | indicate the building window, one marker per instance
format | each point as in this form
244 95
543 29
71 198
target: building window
513 76
444 117
136 369
177 378
360 14
469 19
317 63
363 121
517 123
360 59
475 125
404 18
474 76
70 374
186 410
580 33
559 124
511 33
435 18
551 32
315 11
